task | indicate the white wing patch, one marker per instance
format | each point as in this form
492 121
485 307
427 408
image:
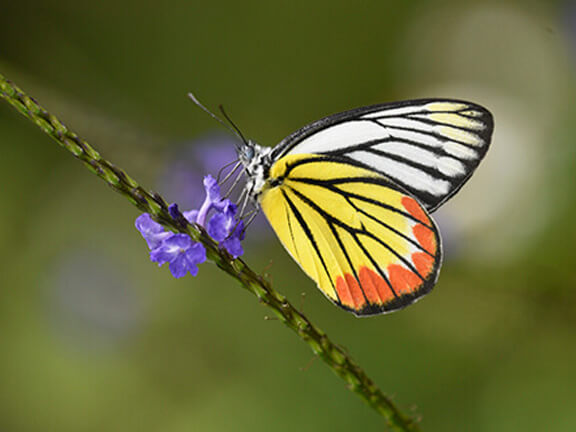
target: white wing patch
444 164
430 148
339 137
405 174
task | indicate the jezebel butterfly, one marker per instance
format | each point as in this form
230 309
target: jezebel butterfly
350 195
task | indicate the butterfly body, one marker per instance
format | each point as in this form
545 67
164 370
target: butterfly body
349 196
256 161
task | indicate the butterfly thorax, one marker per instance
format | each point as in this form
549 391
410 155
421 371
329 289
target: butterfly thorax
256 161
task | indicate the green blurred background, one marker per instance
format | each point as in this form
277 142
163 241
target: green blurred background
94 337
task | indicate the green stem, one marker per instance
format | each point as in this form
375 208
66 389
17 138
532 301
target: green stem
333 355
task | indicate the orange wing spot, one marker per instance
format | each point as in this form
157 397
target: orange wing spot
349 292
414 209
423 262
425 237
375 287
403 280
370 290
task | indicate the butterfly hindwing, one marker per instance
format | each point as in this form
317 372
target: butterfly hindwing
370 247
429 147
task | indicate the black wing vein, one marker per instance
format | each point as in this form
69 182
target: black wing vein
351 230
309 235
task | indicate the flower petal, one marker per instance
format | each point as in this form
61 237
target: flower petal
161 255
179 267
152 231
239 232
230 208
191 215
233 246
178 241
212 189
145 224
217 227
196 254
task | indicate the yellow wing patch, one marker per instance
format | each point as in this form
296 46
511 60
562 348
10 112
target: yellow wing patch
369 246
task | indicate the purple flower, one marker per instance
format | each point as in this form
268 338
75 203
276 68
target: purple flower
182 253
166 247
226 229
212 201
152 231
222 223
232 242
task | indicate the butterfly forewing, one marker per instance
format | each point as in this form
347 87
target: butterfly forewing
370 247
428 147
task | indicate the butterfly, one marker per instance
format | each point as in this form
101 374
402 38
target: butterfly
350 195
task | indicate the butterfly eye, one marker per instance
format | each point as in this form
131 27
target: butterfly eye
248 152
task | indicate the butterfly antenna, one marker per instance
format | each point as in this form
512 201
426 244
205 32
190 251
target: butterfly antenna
236 128
232 128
